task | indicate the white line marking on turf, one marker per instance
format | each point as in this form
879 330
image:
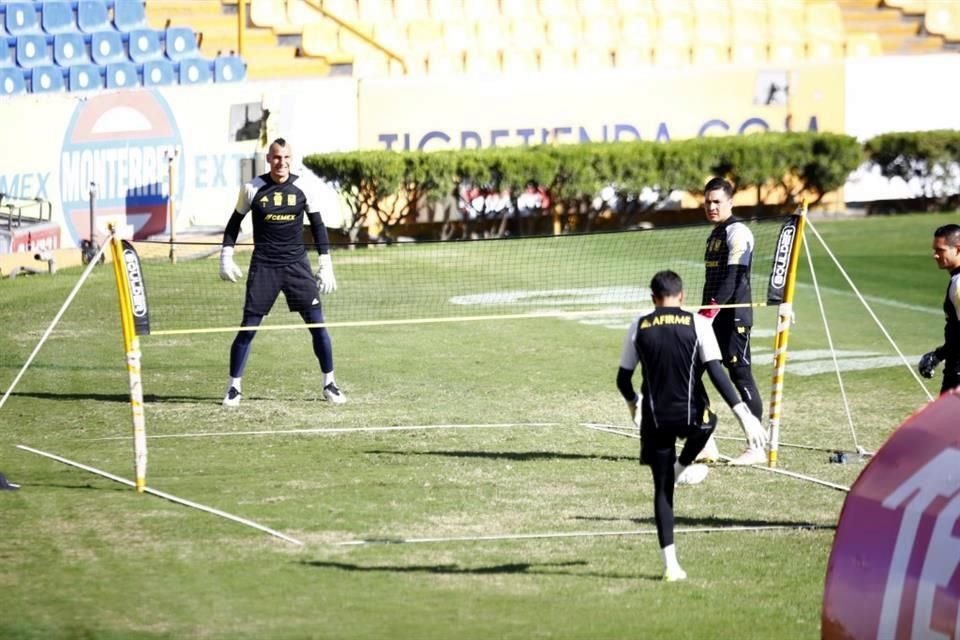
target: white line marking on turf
284 432
580 534
877 300
161 494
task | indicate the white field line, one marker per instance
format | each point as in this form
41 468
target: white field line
878 300
783 472
578 534
335 430
164 495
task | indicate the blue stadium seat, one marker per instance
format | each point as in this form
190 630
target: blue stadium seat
12 81
70 49
180 43
21 18
33 50
93 16
56 16
7 52
195 71
144 45
129 15
47 79
229 68
107 47
159 73
85 77
121 75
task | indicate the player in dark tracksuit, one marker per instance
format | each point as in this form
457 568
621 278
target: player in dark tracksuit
674 348
728 258
277 202
946 253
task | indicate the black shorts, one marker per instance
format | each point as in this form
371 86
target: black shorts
734 340
665 436
295 280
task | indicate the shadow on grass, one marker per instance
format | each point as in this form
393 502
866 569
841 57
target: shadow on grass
524 568
517 456
112 397
711 521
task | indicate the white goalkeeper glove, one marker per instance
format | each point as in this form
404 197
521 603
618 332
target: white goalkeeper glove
228 268
636 414
326 281
752 429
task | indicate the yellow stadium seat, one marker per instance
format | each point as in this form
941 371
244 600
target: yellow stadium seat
553 59
787 33
520 61
481 62
749 31
443 63
481 9
410 10
371 64
321 39
943 18
552 9
459 36
493 34
522 9
632 56
447 10
268 13
374 11
589 9
392 35
346 10
825 31
638 30
302 13
528 33
635 7
863 45
563 33
908 6
676 24
711 32
588 58
601 32
424 36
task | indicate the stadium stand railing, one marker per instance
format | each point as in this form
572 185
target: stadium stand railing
87 45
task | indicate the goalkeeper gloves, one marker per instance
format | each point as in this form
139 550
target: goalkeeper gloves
228 268
752 429
710 312
928 363
636 414
326 281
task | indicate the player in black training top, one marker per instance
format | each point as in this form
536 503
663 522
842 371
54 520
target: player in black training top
727 261
277 202
673 348
946 252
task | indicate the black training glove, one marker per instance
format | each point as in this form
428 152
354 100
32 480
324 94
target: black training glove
928 363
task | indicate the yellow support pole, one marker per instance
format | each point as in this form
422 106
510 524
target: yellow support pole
241 26
784 319
131 348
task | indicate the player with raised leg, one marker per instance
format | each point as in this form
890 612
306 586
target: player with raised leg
673 348
277 202
727 260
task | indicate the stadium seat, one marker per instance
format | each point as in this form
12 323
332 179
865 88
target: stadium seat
448 11
144 45
21 17
711 32
93 16
444 63
908 6
302 13
70 49
493 34
590 58
195 70
229 68
632 56
557 59
410 10
85 77
749 31
180 43
637 30
12 81
268 13
159 72
634 7
863 45
825 31
129 15
33 50
943 18
553 9
459 36
481 62
7 52
321 39
46 79
520 61
424 36
786 32
481 9
564 32
597 9
600 32
374 11
528 33
107 47
56 16
519 9
345 10
122 75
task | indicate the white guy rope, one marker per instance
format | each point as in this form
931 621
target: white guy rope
833 351
268 432
161 494
63 308
579 534
869 310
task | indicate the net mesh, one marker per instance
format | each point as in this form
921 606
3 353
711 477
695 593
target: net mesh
427 281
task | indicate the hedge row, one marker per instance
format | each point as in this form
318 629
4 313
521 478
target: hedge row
781 168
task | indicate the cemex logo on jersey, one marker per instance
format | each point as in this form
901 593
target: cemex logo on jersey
894 571
120 142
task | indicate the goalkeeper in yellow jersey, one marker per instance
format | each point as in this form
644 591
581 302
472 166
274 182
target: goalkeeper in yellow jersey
946 252
277 202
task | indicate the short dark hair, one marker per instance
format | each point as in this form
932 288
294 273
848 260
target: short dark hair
719 183
666 283
280 142
949 232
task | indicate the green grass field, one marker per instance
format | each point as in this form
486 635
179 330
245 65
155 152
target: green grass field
506 456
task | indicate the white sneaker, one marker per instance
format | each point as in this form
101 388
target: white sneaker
748 457
232 399
710 452
332 393
694 474
674 574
